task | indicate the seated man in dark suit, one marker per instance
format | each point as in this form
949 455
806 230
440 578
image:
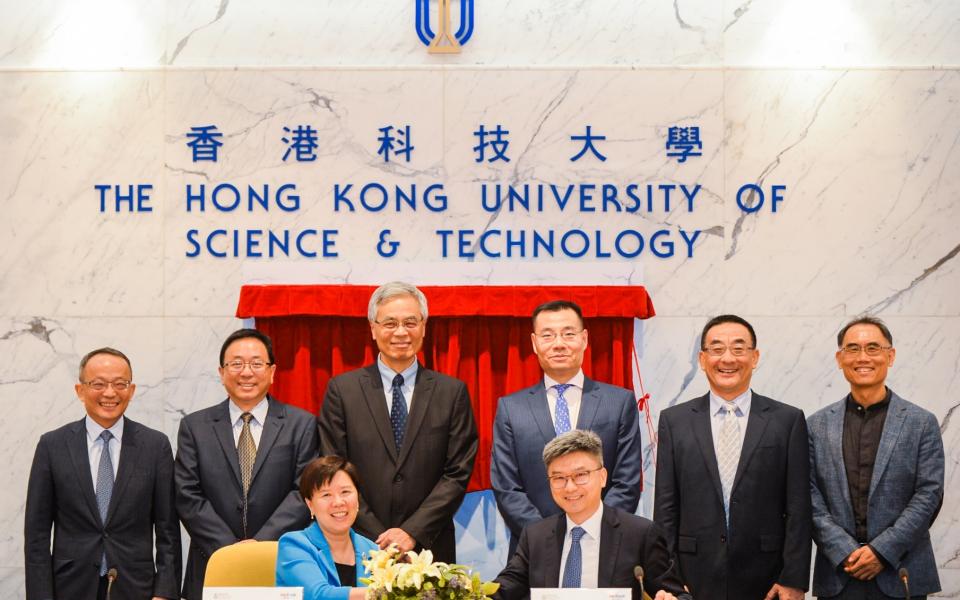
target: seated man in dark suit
590 544
105 486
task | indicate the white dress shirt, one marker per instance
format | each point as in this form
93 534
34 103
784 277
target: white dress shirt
572 395
95 446
259 413
589 548
742 413
409 379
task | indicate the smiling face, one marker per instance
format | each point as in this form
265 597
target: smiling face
335 505
559 341
398 343
107 406
729 375
247 387
578 501
862 371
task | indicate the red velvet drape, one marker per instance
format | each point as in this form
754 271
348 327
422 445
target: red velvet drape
480 335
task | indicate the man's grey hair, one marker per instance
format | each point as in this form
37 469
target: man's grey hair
575 440
391 290
105 350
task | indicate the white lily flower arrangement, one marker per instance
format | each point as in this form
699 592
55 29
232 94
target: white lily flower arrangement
395 575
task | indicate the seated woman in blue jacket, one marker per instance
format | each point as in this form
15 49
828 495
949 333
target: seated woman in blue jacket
325 558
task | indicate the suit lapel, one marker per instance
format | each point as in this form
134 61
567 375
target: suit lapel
703 433
589 404
839 472
419 404
540 411
554 550
896 414
223 429
271 429
610 536
756 425
373 395
77 447
129 458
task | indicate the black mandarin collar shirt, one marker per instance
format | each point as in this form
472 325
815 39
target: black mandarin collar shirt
862 428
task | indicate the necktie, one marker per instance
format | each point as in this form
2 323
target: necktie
104 488
728 452
398 411
562 417
574 566
247 451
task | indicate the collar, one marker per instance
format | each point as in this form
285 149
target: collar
591 525
742 402
852 404
387 374
94 429
576 381
259 411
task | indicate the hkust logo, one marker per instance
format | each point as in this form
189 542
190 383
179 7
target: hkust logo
444 41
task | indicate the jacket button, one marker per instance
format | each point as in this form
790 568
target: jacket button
397 478
723 539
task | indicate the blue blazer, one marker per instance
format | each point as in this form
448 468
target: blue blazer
905 494
304 560
523 426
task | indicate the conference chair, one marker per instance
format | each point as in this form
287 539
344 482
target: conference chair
250 564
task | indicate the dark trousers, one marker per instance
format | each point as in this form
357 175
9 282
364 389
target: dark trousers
865 590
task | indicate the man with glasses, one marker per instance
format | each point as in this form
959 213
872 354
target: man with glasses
732 489
877 464
589 544
105 486
409 430
564 399
238 462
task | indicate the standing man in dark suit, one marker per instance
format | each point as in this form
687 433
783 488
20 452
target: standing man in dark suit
105 485
409 430
239 462
589 544
732 480
564 399
876 465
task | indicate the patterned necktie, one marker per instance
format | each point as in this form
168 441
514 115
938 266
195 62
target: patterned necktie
398 411
247 450
574 566
104 488
562 418
728 452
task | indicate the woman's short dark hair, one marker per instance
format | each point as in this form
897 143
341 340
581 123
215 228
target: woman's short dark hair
321 470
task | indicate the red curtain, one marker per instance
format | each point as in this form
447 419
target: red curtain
479 334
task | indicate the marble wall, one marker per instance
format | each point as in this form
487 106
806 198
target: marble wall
853 105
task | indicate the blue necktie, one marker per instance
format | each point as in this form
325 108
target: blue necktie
562 420
574 566
398 411
104 488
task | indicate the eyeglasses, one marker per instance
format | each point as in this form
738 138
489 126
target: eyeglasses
558 482
101 386
393 324
871 349
236 366
720 349
567 335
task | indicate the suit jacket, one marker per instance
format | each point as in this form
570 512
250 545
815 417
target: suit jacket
905 493
626 541
523 426
304 560
61 494
420 489
209 492
768 540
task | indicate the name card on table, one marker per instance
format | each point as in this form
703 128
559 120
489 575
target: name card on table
253 593
578 594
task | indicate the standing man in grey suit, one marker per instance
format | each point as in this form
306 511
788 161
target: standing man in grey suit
876 465
239 462
733 475
105 486
563 400
409 430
